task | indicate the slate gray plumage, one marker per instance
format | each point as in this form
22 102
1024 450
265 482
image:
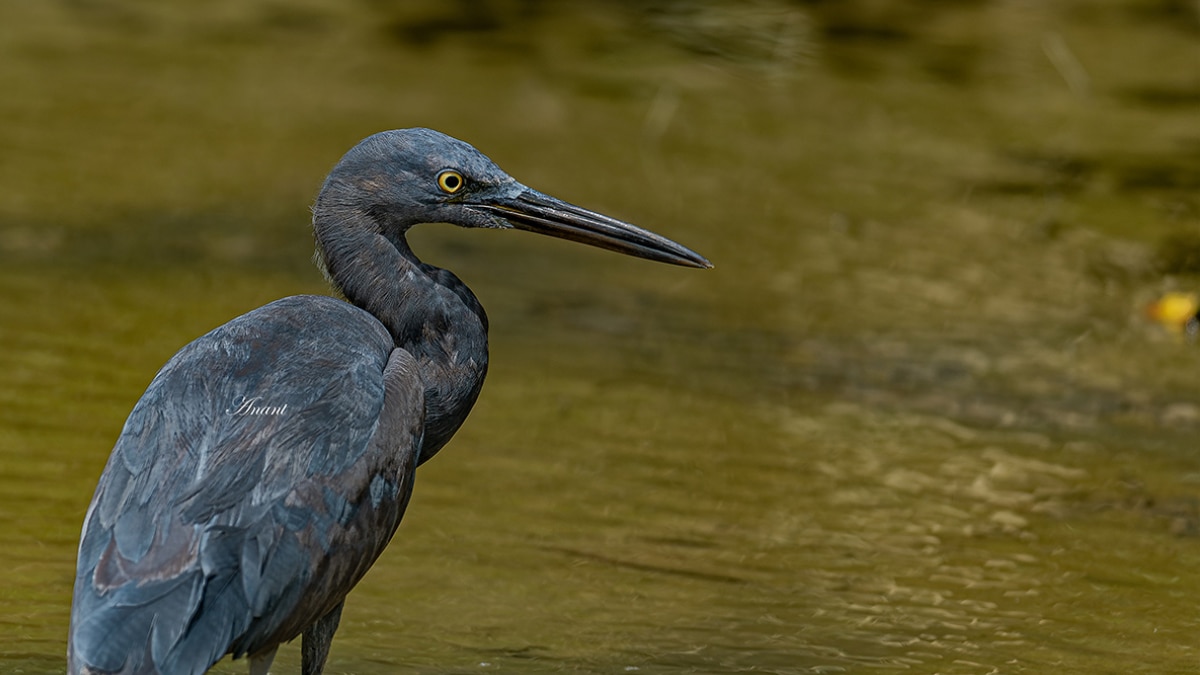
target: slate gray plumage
270 461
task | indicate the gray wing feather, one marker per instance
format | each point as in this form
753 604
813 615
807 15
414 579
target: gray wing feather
214 530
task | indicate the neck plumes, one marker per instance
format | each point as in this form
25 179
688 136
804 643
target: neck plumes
429 312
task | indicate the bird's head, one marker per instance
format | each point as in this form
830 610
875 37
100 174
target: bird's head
408 176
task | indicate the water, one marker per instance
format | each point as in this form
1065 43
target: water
913 421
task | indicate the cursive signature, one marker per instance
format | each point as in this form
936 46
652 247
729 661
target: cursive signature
243 405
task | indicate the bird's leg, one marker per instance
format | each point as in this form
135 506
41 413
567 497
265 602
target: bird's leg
260 663
314 648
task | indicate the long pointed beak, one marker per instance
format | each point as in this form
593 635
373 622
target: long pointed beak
533 211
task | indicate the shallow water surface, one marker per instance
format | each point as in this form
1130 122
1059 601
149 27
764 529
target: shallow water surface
914 420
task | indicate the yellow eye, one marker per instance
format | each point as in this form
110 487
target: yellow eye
450 181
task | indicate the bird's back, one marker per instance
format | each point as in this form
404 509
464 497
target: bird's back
259 476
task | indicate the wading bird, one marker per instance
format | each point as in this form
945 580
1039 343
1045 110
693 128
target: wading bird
270 461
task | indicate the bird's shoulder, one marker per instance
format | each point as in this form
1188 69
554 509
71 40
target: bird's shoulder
286 374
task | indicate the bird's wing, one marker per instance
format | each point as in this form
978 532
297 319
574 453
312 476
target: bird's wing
263 471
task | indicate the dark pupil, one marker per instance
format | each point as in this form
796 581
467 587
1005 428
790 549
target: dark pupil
452 182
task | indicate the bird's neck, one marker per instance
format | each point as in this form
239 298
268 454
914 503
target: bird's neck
430 313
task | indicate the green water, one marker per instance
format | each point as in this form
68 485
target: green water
913 421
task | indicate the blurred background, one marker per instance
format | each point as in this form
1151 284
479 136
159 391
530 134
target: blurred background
916 419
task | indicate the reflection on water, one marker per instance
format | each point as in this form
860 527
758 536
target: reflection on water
914 419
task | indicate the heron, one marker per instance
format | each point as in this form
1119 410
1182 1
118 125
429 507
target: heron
269 462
